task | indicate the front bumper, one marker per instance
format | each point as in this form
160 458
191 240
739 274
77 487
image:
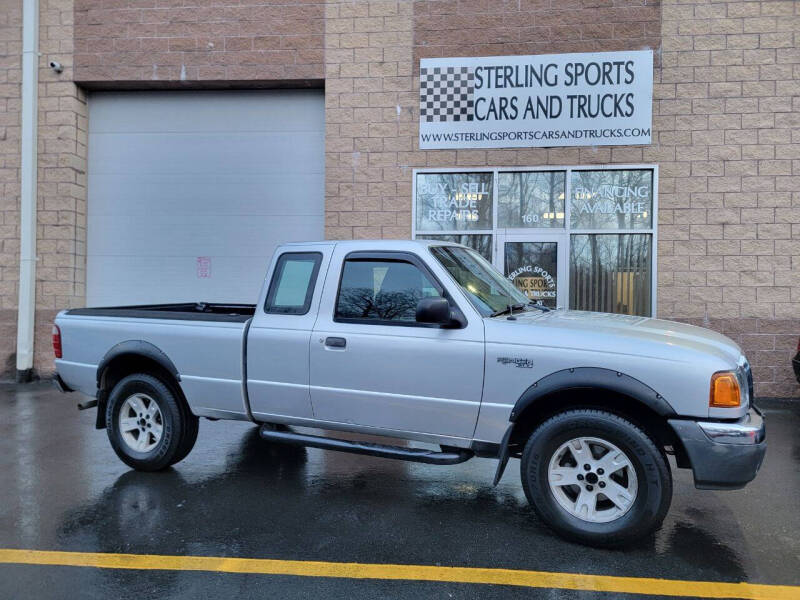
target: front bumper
723 455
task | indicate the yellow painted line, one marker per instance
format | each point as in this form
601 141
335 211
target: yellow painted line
302 568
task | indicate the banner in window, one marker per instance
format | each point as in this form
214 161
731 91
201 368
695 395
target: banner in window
533 267
611 199
454 201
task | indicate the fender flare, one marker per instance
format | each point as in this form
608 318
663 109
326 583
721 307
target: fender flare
576 378
139 348
592 377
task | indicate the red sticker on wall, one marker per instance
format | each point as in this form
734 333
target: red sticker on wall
203 267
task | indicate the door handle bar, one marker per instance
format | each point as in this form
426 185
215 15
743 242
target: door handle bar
335 342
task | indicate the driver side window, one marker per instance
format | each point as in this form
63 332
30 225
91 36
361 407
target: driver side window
382 291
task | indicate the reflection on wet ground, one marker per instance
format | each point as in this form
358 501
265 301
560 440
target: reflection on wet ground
236 495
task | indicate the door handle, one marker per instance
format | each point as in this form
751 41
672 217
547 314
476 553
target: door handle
335 342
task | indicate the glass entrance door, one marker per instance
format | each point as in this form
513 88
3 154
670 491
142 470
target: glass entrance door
536 264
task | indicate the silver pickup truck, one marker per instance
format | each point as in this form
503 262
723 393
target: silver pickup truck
426 342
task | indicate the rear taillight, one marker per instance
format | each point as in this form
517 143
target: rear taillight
56 341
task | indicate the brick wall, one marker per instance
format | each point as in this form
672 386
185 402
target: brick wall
372 103
491 28
172 42
10 77
370 119
728 126
61 208
61 204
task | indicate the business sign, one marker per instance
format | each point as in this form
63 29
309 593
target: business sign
589 99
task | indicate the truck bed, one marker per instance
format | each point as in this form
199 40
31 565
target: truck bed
187 311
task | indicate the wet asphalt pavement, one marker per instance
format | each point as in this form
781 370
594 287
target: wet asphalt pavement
63 488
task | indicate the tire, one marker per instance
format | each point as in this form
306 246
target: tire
639 479
189 435
148 426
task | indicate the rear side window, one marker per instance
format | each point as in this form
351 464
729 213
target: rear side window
292 284
382 291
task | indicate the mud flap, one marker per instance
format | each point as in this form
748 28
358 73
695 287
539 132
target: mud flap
502 459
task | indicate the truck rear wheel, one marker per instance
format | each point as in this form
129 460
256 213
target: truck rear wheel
596 478
147 425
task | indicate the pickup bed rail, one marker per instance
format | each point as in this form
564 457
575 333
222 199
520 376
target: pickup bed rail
188 311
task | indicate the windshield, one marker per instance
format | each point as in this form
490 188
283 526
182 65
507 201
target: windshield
488 290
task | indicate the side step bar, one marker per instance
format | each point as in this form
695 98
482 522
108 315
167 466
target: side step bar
448 455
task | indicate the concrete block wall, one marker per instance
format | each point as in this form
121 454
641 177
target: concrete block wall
180 43
372 90
61 194
728 106
370 119
61 207
10 77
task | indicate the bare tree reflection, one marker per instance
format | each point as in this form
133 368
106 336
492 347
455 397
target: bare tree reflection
531 199
382 290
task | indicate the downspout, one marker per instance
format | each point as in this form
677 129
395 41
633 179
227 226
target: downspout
28 177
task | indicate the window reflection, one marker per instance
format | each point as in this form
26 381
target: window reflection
611 273
533 268
611 199
610 267
382 290
531 199
482 244
454 201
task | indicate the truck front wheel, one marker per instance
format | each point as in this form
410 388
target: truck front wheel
596 478
147 426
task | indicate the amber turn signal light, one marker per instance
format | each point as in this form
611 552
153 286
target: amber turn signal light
725 391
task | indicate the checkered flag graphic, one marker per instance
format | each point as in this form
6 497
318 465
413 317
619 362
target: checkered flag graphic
447 94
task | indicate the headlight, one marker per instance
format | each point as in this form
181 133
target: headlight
725 390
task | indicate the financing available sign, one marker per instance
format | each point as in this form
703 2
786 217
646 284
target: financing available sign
589 99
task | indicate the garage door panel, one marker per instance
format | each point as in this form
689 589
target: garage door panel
174 176
213 195
265 110
196 236
230 280
194 153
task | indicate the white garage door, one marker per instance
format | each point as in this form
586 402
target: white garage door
190 192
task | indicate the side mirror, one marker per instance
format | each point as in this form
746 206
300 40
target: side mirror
433 310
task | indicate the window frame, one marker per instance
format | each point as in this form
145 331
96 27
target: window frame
498 234
406 257
277 272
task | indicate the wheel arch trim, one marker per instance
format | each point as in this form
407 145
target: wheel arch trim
592 377
137 348
580 378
